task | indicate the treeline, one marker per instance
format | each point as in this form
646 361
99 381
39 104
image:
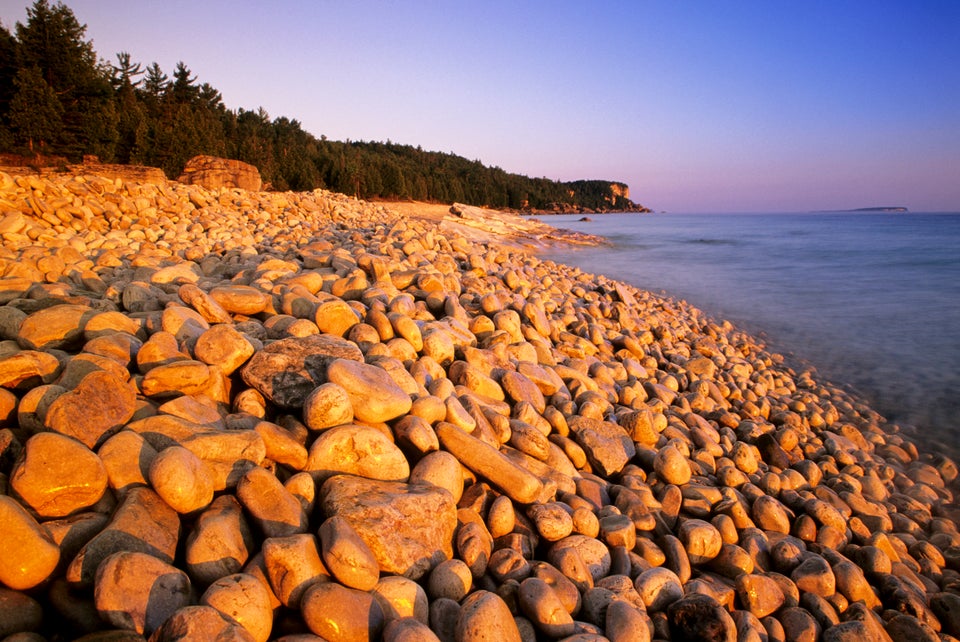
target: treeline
57 99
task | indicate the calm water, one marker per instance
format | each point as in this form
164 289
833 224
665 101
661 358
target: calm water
872 301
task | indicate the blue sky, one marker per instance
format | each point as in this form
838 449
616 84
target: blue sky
698 106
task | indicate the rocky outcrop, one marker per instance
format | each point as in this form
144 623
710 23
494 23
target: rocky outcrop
212 172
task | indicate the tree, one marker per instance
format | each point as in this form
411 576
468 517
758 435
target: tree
183 91
35 111
53 41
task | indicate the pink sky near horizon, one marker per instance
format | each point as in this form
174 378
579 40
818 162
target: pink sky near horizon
749 106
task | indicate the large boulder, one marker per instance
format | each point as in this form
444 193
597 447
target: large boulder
212 172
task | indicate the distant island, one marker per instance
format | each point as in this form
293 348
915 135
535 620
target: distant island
894 209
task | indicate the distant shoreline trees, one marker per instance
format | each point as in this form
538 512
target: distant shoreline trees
57 99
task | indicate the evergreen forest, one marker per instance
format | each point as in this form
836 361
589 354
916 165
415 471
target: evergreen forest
60 101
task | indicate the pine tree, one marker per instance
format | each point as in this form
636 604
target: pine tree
35 111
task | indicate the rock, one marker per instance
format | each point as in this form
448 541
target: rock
671 466
200 623
450 579
338 613
400 597
440 469
286 371
607 445
239 299
293 565
19 613
29 554
347 556
95 409
700 617
181 479
409 528
373 393
138 591
658 588
543 607
220 542
223 346
485 616
408 629
243 599
328 405
701 540
273 509
357 450
214 173
28 368
759 594
142 523
946 606
57 475
185 377
56 327
814 575
127 457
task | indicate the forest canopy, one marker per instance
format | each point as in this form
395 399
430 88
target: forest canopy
59 99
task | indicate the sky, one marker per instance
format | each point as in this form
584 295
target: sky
698 106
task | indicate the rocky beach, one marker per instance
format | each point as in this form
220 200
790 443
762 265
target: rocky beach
245 415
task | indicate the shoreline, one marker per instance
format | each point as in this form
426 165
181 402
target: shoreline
393 402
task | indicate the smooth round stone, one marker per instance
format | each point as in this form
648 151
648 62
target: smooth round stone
29 555
474 546
501 517
357 450
592 552
347 556
700 617
520 388
553 522
485 616
182 479
373 393
219 543
335 612
701 540
206 307
186 377
293 564
759 594
99 405
770 515
28 368
401 597
441 469
450 579
624 622
408 629
274 510
200 623
540 603
239 299
327 406
814 575
671 466
282 446
335 317
127 457
56 327
139 592
245 600
58 475
19 612
658 588
223 346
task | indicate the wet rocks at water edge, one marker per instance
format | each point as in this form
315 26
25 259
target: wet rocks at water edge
301 416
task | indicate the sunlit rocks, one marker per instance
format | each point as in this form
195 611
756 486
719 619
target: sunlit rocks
373 393
57 475
138 591
409 528
29 555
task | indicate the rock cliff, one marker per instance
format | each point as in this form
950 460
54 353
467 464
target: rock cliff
212 172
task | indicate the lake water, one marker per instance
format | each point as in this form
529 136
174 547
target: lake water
871 300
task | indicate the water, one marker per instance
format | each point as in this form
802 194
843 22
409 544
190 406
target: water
871 300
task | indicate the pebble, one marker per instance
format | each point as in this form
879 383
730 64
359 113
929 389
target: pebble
57 475
521 449
139 592
338 613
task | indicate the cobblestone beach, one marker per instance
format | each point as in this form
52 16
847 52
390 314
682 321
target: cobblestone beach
232 415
